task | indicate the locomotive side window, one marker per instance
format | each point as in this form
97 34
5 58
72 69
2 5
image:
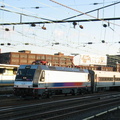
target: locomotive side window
42 79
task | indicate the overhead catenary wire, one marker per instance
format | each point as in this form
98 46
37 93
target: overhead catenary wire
92 10
9 23
65 6
82 12
20 9
15 7
20 13
65 45
43 4
63 21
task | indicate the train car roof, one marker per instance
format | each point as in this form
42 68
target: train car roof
101 71
63 69
54 68
8 66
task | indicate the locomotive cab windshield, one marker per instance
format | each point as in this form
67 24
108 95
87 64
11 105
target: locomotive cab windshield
25 74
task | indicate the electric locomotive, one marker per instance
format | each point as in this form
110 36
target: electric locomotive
43 80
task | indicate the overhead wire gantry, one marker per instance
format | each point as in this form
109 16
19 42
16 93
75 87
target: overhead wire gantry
66 20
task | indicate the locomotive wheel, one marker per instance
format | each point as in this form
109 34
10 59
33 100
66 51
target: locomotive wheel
44 95
66 94
50 94
72 92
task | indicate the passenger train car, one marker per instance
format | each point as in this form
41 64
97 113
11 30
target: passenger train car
44 81
7 74
105 80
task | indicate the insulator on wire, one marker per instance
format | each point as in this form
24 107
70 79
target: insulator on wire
104 25
74 24
26 43
33 25
43 27
2 6
103 41
81 26
95 3
2 44
7 29
57 43
8 43
90 43
37 7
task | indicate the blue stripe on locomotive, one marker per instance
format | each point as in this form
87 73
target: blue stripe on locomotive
58 84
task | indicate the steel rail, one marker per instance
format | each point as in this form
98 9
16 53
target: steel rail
82 98
66 110
28 109
102 113
6 103
80 111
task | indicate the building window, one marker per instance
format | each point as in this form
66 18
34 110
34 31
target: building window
62 63
15 60
32 56
15 55
43 57
23 61
48 57
30 61
23 56
38 57
62 58
55 58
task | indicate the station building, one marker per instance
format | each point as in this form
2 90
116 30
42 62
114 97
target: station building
58 59
26 57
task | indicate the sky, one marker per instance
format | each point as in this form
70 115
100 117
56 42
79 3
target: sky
60 37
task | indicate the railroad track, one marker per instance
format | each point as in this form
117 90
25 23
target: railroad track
80 107
11 100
